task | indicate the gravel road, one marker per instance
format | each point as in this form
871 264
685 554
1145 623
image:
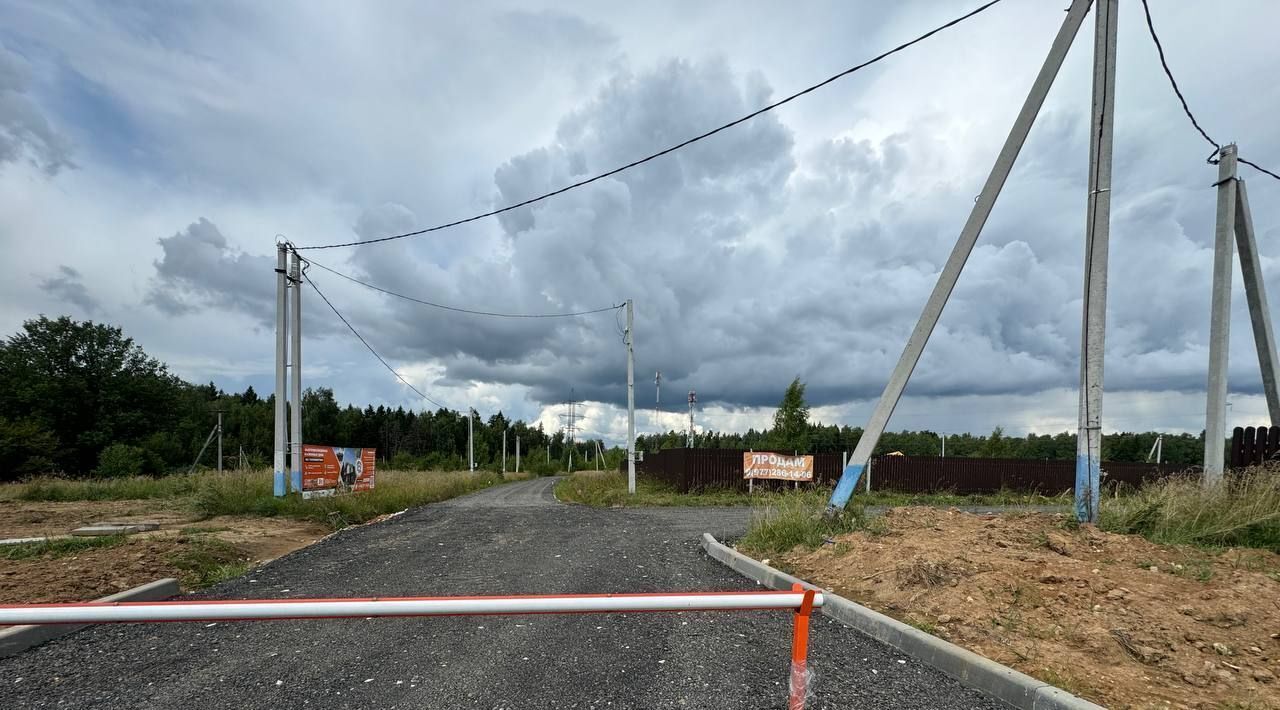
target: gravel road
510 539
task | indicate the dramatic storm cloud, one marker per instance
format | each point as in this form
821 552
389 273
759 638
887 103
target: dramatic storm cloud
802 243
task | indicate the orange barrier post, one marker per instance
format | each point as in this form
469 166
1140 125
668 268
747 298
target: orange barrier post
800 651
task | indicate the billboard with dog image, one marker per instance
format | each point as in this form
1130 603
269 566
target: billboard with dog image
334 470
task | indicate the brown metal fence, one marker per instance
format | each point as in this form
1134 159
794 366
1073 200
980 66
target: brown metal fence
696 469
1252 446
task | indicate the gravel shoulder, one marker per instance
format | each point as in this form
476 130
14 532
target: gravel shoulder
512 539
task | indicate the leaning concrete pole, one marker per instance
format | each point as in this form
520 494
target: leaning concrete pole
1097 238
1215 419
295 375
959 254
282 327
1256 293
631 402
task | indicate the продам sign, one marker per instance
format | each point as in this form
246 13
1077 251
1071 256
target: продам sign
762 464
332 470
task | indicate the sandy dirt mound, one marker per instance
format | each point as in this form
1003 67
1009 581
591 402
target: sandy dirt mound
1113 618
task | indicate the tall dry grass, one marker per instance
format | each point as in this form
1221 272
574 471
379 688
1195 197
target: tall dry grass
1241 511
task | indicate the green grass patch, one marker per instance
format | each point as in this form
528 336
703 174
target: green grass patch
1001 498
250 493
608 489
58 548
787 521
1241 511
130 488
203 561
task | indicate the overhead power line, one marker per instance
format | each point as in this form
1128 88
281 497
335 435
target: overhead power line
673 148
366 343
1183 100
463 310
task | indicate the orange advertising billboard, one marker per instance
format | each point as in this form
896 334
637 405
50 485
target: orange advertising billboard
763 464
333 470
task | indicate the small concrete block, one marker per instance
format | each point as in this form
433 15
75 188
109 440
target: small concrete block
113 529
23 540
142 525
16 639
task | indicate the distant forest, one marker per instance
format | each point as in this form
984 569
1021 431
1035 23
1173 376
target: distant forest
81 398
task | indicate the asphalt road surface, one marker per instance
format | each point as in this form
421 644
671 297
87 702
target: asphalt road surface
512 539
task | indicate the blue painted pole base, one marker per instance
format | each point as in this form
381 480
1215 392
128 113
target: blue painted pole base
279 484
1088 481
295 481
848 482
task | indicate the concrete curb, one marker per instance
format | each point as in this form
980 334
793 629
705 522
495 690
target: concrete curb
1001 682
17 639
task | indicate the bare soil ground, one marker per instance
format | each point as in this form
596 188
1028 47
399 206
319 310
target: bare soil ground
1114 618
170 551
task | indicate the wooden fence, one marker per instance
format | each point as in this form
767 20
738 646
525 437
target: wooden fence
1252 446
695 469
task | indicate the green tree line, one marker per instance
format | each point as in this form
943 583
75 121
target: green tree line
79 398
792 432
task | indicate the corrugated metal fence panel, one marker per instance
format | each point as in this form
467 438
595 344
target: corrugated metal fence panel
696 469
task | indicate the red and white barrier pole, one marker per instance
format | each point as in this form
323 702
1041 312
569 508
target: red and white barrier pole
799 600
265 609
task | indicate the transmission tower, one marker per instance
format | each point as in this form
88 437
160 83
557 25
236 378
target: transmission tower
570 419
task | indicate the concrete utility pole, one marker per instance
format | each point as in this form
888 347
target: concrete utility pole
504 450
517 454
282 327
219 441
295 353
944 445
1097 236
1157 449
959 255
657 397
693 399
1215 429
471 439
631 399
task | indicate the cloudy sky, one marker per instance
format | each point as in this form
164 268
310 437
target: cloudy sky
150 154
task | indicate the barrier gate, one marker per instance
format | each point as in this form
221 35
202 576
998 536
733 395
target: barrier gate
799 600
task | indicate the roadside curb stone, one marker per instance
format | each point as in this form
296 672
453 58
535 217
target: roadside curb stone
17 639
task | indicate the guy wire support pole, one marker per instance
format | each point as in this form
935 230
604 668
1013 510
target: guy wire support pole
219 441
1215 420
631 401
1097 236
295 376
282 327
959 255
1256 293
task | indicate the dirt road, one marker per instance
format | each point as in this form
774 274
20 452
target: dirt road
508 540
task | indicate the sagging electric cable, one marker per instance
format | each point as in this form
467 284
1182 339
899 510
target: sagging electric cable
456 309
672 149
1151 28
355 332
